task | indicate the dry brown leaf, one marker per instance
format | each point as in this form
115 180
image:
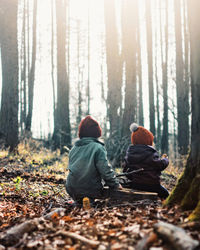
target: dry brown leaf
67 218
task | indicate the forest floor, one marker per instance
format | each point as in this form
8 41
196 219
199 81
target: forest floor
32 188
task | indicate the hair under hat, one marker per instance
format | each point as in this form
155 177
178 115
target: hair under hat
141 135
89 127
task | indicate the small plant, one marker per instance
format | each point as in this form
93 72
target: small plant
44 192
18 181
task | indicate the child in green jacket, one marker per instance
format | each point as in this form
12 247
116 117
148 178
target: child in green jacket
88 164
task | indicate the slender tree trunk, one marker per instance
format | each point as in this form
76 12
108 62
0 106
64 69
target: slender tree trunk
182 90
31 76
186 65
158 130
9 56
79 74
52 57
62 129
165 132
150 66
24 84
139 70
129 50
187 191
114 68
103 93
88 82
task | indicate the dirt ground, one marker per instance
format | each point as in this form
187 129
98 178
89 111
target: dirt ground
32 186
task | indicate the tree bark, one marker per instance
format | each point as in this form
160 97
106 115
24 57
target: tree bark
9 56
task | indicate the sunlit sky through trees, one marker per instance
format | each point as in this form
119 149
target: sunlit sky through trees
80 11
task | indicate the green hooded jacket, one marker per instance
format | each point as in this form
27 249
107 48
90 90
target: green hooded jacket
88 166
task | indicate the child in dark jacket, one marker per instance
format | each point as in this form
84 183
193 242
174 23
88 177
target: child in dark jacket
142 156
88 164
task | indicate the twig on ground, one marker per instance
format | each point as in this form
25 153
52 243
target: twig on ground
92 243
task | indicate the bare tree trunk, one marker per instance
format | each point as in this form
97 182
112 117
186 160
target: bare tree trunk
62 129
9 56
22 89
52 57
114 68
186 65
165 132
129 50
158 130
31 76
103 93
88 82
182 90
150 67
187 191
79 116
139 70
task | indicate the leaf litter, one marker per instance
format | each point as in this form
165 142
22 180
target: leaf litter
33 191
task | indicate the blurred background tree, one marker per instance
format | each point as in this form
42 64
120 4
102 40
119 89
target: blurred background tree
121 61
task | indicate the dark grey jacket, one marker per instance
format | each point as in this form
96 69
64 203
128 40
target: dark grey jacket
146 158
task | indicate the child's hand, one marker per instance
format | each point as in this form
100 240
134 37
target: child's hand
120 187
164 156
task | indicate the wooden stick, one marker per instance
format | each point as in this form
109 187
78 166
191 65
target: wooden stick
75 236
132 172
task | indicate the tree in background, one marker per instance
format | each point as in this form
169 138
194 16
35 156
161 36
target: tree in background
114 68
31 73
62 129
158 5
52 58
129 50
9 58
23 67
187 191
181 85
165 131
139 69
88 80
150 67
79 87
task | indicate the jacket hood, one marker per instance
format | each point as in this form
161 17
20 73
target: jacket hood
86 140
138 153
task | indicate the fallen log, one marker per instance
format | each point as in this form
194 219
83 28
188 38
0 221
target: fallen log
175 236
13 235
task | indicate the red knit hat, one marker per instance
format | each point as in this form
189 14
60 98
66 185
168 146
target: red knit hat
141 135
89 127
